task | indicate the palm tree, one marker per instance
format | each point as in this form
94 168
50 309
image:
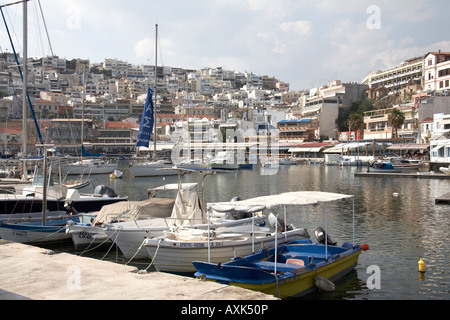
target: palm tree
355 122
396 119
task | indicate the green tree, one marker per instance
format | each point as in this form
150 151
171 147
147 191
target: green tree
355 122
396 119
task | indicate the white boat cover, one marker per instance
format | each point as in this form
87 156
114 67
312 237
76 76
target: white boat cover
135 210
187 209
301 198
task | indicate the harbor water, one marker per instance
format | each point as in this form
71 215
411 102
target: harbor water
397 218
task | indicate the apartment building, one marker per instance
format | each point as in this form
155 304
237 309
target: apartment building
393 79
304 129
324 104
437 71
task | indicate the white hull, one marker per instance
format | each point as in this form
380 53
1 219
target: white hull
152 169
89 167
87 236
445 170
130 239
177 256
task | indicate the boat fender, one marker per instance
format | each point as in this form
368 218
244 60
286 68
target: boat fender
323 284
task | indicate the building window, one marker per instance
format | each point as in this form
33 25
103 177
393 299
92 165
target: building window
430 62
441 84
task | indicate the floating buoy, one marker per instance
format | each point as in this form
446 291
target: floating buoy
365 247
112 176
421 266
324 284
395 194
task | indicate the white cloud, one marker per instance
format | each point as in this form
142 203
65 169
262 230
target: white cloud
299 28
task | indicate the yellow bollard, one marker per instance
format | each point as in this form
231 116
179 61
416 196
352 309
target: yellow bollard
421 266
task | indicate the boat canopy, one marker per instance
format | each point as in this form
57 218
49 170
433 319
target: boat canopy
135 210
301 198
348 146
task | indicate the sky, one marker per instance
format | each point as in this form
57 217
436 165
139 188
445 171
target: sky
304 43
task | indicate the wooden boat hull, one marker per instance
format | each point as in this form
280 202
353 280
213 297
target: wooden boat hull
303 284
292 280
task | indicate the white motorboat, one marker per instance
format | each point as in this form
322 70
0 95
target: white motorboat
405 164
89 167
445 170
153 169
176 251
27 200
129 235
223 162
288 162
150 212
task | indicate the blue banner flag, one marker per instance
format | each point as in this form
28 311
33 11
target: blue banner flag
147 122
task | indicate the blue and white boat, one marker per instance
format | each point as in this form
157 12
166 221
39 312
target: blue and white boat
293 268
36 232
383 167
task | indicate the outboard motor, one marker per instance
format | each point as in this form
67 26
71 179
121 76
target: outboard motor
320 236
278 223
68 206
104 190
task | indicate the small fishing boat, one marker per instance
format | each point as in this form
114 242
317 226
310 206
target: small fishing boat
383 167
288 162
288 268
294 269
445 170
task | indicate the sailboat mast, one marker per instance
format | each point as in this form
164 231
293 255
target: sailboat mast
25 87
156 86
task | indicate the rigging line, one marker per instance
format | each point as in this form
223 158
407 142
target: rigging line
13 3
45 25
18 42
25 94
40 43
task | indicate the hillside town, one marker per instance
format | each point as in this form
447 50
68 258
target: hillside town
100 105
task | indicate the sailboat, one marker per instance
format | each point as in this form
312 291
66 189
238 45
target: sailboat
93 164
49 229
148 124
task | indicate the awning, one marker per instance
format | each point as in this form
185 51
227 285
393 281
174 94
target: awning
301 198
345 147
436 149
409 146
296 150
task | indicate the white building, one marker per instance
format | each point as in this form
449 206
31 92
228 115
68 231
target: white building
323 104
440 151
437 71
395 78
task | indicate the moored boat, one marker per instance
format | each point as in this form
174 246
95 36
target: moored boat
294 269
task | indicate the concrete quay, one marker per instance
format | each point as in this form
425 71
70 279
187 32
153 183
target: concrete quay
32 273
